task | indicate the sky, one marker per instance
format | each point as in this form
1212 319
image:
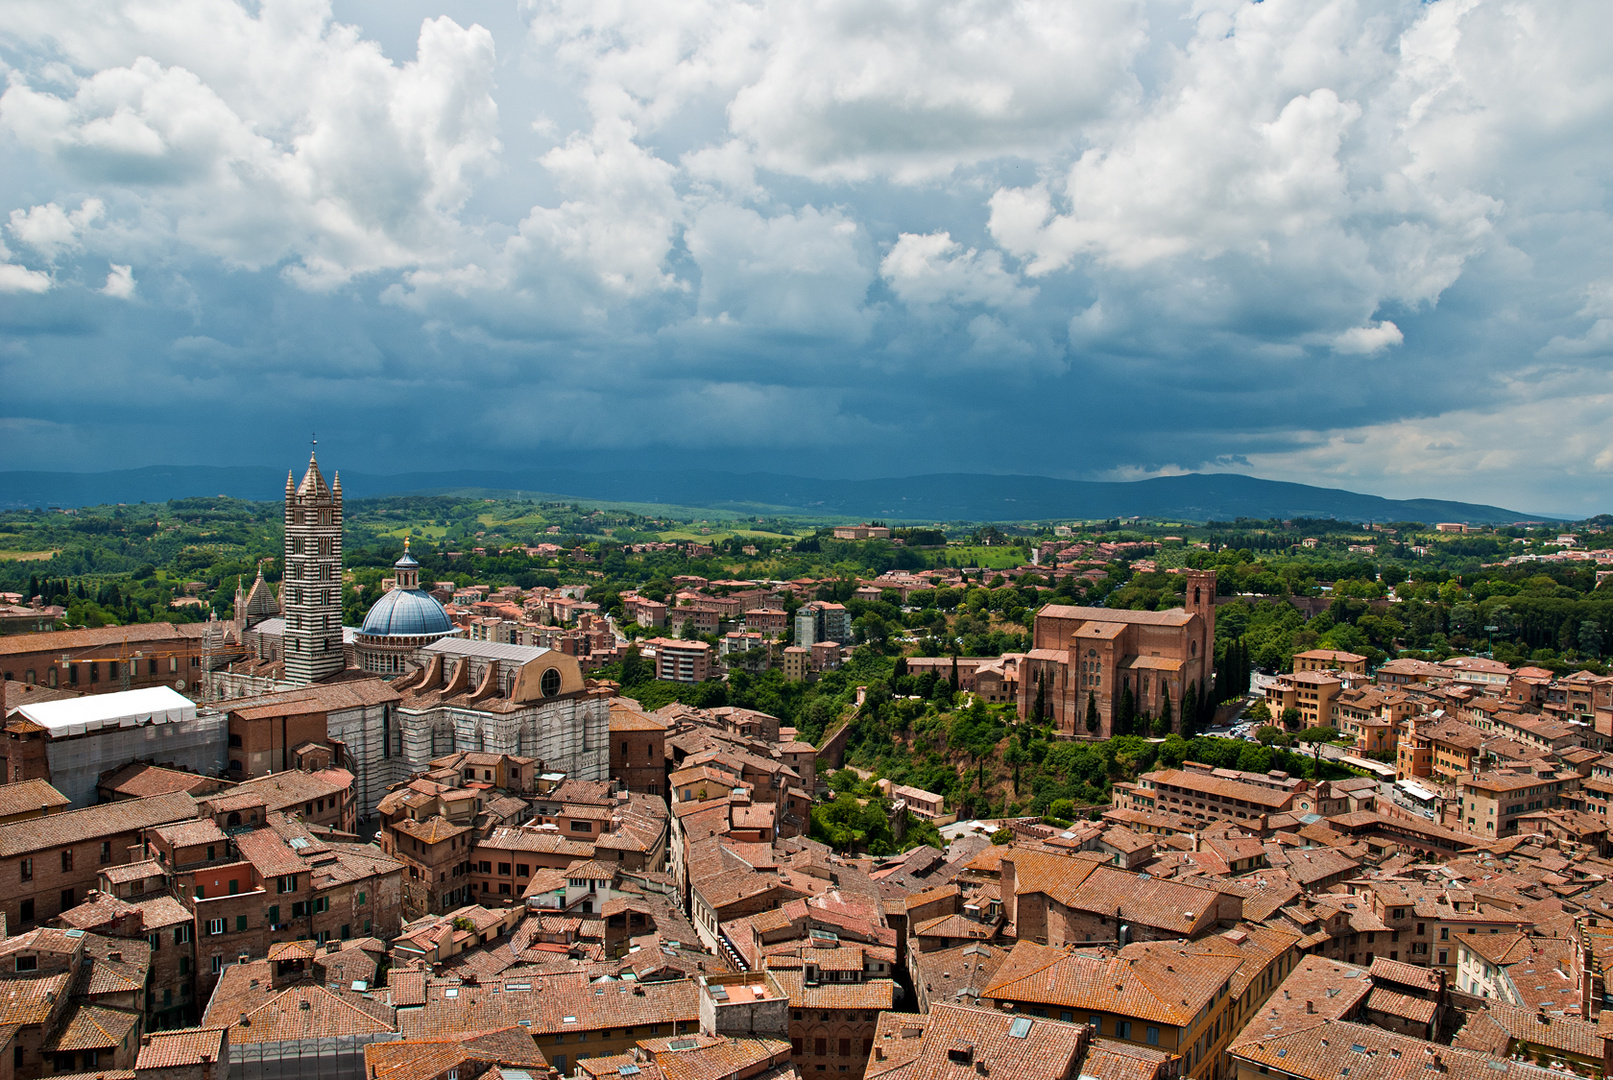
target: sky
1356 243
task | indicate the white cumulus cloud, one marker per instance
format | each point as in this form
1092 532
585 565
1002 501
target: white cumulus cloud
119 282
264 135
1371 338
932 268
51 230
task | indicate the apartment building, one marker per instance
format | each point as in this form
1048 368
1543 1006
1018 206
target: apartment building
1330 660
49 864
682 661
1490 804
1184 1000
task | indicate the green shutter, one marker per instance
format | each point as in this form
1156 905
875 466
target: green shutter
274 915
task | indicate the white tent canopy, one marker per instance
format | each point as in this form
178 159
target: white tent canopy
129 708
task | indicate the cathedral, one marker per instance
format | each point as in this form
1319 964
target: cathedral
1087 656
404 688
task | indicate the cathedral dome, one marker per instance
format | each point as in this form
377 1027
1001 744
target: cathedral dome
406 612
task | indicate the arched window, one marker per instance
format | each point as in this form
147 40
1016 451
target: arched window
1195 594
28 676
50 677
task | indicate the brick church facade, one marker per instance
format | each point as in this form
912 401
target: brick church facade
1090 651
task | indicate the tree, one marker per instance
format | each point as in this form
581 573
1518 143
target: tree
1190 710
1039 710
1290 718
1590 638
1125 712
1014 757
1166 717
954 679
633 667
1092 712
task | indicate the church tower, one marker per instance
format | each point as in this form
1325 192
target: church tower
311 589
1200 601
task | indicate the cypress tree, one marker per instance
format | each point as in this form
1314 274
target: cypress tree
954 673
1040 709
1092 712
1190 710
1126 711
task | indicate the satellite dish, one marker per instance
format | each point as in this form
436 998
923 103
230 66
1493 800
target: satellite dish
179 684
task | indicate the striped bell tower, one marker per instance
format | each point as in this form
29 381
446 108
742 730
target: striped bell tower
311 588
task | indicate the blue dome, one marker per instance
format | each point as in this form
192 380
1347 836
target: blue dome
406 611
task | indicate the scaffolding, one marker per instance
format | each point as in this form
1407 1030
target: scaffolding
339 1058
197 743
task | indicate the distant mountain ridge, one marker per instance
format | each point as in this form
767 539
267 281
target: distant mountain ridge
935 497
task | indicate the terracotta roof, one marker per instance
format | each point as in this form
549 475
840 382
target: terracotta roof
1258 797
188 1046
93 823
1112 1059
24 796
872 994
1414 1009
291 789
548 1004
1320 1051
1148 988
426 1059
1404 974
1173 617
1000 1044
191 833
320 697
302 1010
30 1001
162 911
716 1059
1084 885
99 910
1557 1032
93 1027
138 779
57 641
1316 990
408 987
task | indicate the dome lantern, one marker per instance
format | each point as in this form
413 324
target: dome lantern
408 569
